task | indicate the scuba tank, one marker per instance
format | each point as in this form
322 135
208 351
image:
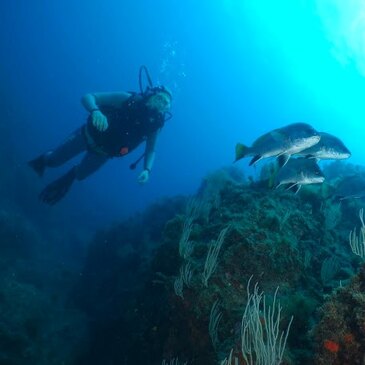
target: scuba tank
143 95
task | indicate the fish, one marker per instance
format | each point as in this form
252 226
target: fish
281 143
329 147
297 172
350 187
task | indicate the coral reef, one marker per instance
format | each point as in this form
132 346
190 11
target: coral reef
171 284
153 306
340 334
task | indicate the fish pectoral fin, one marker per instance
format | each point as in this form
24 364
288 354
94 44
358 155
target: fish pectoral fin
277 186
283 159
294 187
255 159
297 188
291 186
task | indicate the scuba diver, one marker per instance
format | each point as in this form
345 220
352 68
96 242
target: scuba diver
118 122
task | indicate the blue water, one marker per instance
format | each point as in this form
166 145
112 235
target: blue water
237 69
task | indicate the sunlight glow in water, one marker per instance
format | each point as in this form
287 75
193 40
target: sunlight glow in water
304 26
318 44
317 47
344 23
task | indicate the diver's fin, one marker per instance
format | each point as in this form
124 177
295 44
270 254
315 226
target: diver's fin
56 190
255 159
241 151
283 159
38 165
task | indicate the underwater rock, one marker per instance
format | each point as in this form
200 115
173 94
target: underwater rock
154 298
340 333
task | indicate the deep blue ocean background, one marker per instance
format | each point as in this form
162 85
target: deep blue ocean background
237 69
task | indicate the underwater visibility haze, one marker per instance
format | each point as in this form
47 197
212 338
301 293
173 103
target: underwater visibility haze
238 238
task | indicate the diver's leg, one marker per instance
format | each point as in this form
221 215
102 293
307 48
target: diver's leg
71 147
89 164
58 189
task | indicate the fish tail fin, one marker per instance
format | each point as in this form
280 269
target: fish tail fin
241 151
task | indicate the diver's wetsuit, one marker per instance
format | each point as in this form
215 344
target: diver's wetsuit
128 126
74 145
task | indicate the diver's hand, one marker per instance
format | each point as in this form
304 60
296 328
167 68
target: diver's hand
143 176
99 120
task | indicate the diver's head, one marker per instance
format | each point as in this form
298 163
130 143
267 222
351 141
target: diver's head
159 99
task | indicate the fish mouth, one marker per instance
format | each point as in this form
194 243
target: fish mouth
345 155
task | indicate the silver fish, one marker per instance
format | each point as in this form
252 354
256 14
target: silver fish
329 147
282 143
298 172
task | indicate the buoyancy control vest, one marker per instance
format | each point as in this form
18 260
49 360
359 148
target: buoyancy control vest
128 126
